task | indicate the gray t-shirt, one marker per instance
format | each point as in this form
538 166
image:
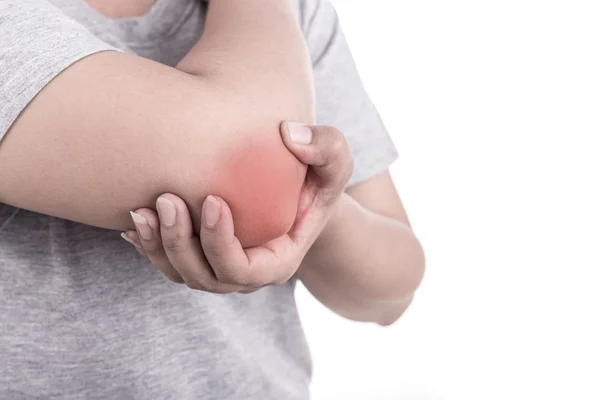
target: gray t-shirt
82 314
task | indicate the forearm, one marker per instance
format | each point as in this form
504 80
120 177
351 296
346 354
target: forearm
364 266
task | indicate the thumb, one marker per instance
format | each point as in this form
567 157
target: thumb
323 148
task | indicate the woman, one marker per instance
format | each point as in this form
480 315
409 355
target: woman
199 119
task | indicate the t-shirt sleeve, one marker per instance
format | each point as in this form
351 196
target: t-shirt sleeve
341 99
37 42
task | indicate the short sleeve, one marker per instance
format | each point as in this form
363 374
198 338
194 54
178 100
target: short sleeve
37 42
341 99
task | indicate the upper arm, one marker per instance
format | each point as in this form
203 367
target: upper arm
99 139
114 131
102 133
379 195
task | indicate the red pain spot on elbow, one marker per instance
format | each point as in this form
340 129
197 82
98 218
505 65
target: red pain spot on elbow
261 184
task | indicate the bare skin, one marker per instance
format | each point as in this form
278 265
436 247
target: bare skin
114 131
122 9
354 250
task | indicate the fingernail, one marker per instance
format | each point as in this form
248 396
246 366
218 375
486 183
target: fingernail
299 133
141 223
166 211
124 236
212 211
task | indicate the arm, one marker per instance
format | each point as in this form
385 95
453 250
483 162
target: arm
367 263
113 131
354 251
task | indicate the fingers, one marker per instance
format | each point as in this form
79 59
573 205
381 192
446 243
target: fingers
183 249
222 249
148 232
272 263
218 264
132 238
325 149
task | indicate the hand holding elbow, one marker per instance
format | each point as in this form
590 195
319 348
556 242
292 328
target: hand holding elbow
261 181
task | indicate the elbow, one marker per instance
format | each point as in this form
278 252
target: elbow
404 276
399 295
262 183
258 178
246 162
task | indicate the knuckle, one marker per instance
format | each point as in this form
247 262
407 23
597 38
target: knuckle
328 131
175 244
153 251
337 144
210 247
349 169
350 163
212 243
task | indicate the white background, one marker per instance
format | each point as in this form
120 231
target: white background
495 109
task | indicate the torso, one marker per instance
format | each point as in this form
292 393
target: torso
82 315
